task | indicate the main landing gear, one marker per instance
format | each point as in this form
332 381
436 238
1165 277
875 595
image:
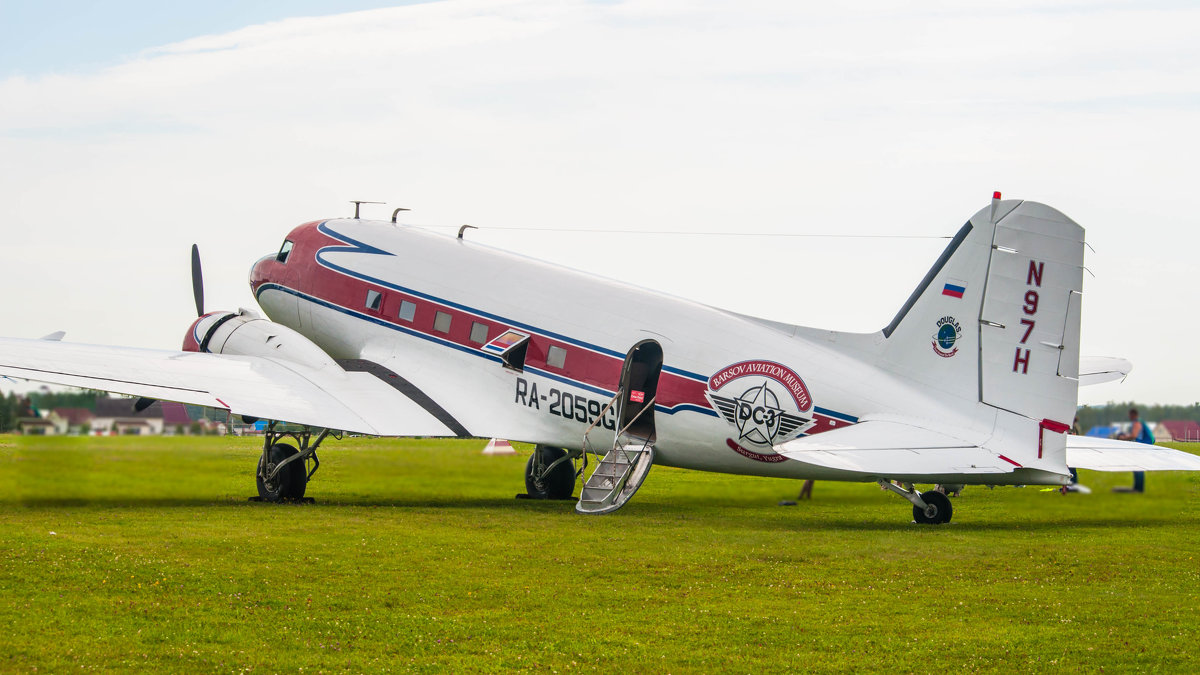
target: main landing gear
550 473
929 508
283 471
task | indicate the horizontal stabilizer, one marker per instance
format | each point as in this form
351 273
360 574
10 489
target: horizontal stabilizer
1100 369
1105 454
886 449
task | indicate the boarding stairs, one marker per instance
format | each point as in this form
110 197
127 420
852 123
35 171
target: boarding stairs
621 471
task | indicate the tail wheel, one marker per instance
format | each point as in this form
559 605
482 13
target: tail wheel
937 509
558 484
289 483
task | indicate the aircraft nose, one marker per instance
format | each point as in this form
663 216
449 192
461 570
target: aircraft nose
260 273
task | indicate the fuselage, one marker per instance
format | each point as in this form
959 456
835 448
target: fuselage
430 306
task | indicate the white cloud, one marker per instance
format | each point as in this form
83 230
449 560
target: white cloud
885 118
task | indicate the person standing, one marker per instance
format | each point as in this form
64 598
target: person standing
806 489
1139 432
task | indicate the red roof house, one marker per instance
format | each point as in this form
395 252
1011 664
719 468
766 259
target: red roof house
1177 430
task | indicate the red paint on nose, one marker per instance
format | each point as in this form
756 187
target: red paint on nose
259 273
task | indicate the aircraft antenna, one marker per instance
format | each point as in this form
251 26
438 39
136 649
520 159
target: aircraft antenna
358 202
397 212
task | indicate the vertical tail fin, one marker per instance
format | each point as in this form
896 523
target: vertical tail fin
996 320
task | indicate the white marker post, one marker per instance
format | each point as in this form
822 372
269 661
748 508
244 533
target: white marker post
499 446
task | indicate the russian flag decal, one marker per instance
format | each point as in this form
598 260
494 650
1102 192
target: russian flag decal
955 288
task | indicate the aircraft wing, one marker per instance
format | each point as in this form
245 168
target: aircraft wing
1098 369
887 449
262 387
1106 454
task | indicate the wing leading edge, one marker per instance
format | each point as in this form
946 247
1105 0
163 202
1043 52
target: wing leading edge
262 387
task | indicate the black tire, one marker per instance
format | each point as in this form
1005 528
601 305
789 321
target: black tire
559 483
290 483
938 512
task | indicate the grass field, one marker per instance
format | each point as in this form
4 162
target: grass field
143 554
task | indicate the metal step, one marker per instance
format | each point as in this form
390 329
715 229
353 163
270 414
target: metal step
607 471
616 478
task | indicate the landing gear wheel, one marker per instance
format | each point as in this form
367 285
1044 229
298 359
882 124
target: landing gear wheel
289 483
937 509
558 484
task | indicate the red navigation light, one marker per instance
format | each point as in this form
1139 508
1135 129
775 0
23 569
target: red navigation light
996 194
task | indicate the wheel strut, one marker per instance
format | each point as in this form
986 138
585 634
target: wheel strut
930 508
305 443
908 492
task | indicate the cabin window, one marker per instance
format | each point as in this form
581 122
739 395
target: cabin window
479 332
408 310
441 322
556 357
284 252
374 300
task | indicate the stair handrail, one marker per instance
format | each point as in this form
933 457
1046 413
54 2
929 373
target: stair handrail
618 481
617 440
586 441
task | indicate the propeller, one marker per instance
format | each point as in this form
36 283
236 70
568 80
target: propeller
197 281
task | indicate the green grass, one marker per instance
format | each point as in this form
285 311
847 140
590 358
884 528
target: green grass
143 554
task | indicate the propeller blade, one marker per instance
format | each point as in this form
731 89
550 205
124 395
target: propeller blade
197 281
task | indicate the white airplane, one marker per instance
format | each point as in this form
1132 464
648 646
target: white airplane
385 329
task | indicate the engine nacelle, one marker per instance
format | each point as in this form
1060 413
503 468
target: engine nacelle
247 334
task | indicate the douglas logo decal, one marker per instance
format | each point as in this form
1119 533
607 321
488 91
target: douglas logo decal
945 341
765 402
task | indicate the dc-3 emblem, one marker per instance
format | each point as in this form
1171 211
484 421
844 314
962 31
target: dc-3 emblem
945 341
765 402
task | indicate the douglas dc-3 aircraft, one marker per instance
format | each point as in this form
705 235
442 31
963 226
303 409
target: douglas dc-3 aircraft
386 329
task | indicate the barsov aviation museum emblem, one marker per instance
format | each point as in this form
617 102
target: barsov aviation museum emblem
945 341
765 402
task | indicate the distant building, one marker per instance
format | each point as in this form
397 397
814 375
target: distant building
78 420
1177 430
45 425
117 416
176 420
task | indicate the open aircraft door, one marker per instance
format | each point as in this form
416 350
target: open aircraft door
623 469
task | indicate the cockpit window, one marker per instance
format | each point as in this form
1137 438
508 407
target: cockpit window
284 252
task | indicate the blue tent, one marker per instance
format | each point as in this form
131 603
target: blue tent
1106 431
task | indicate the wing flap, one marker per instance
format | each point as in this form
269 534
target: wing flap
888 449
255 386
1104 454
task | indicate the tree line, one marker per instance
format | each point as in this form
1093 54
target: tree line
11 409
1110 413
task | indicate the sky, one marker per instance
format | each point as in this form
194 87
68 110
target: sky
130 130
